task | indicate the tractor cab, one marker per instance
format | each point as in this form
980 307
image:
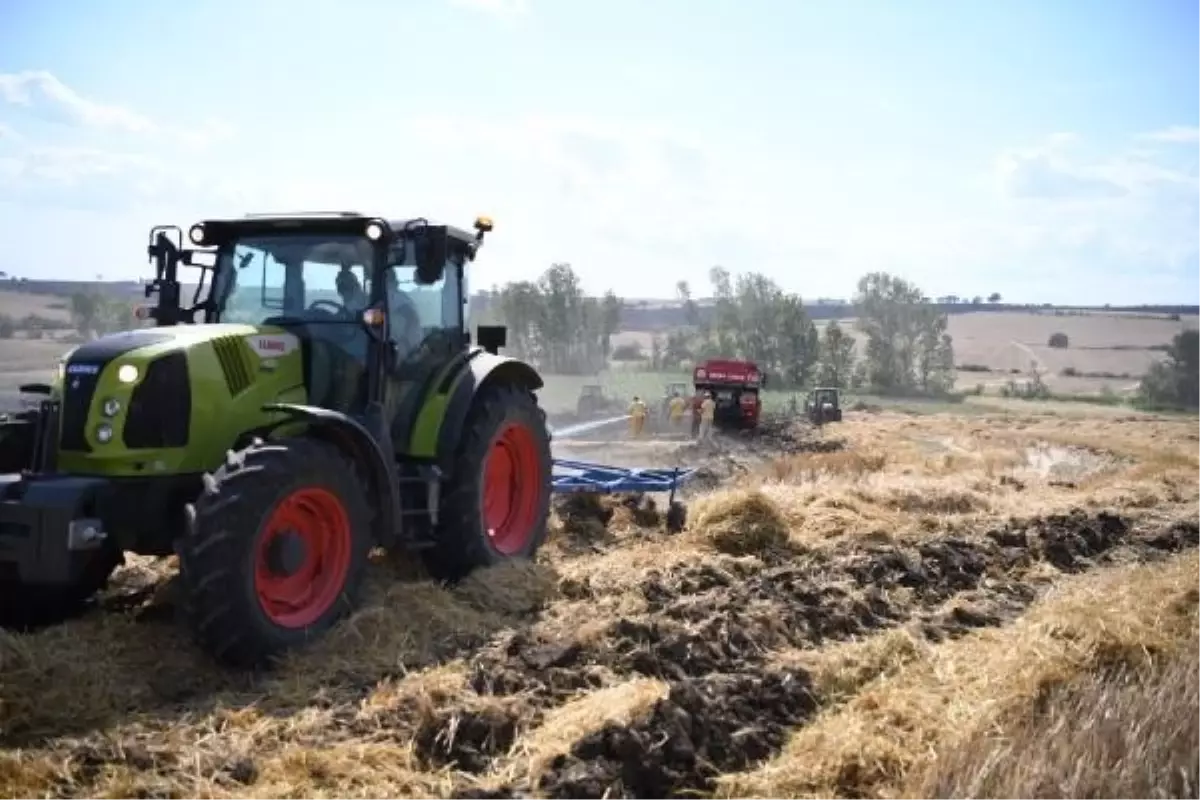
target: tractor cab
592 400
366 302
823 405
734 385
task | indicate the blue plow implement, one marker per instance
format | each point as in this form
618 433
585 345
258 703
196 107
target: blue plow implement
584 477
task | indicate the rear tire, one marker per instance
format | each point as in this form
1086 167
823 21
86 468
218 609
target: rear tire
275 550
498 501
26 607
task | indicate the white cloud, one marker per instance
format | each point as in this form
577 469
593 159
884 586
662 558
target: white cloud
636 204
1119 219
42 95
1175 134
1045 172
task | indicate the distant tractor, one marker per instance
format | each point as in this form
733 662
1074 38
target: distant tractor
735 386
593 401
823 405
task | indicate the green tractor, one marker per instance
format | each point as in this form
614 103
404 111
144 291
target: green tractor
320 397
823 405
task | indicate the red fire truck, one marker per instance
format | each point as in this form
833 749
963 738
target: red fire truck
734 386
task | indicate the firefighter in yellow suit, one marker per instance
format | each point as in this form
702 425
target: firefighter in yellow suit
708 410
637 417
675 409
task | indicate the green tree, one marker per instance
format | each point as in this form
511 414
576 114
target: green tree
907 346
837 357
611 314
552 324
753 318
1175 381
85 311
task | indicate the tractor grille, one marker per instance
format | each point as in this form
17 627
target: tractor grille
78 388
160 409
231 353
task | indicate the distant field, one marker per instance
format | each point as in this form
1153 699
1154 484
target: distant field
1003 341
20 304
1114 343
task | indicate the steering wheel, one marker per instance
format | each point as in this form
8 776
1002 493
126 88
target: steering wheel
339 310
340 333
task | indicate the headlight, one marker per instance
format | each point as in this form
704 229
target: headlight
128 373
61 372
111 407
104 433
196 234
374 231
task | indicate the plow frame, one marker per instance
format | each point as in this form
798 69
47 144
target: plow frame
588 477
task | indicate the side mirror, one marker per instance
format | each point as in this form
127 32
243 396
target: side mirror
492 337
431 251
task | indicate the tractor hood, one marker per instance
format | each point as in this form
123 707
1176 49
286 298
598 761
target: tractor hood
171 398
93 356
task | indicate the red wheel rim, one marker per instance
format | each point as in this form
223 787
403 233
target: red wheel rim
512 484
316 519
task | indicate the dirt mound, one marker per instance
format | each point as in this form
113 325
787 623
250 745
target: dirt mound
578 511
469 738
587 521
703 728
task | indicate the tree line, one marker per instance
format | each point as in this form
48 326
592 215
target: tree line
91 314
906 347
552 323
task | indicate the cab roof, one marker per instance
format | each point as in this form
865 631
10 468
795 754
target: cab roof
334 218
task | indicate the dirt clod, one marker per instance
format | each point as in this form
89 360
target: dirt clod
704 727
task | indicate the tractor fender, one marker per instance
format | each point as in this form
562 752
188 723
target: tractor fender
483 370
355 440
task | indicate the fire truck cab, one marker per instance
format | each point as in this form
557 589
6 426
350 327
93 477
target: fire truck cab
734 385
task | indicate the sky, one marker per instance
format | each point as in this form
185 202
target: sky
1044 149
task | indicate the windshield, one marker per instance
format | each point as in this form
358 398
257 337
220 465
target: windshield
421 313
293 276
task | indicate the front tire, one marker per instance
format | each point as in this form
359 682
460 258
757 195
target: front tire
498 502
275 550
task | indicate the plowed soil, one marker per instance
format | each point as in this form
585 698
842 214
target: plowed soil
819 584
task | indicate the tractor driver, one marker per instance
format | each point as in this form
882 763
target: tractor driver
404 321
350 290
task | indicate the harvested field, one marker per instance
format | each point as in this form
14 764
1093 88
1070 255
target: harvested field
1108 350
904 606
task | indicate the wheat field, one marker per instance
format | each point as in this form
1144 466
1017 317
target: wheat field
896 606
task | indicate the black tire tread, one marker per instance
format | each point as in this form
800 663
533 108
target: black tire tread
219 605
